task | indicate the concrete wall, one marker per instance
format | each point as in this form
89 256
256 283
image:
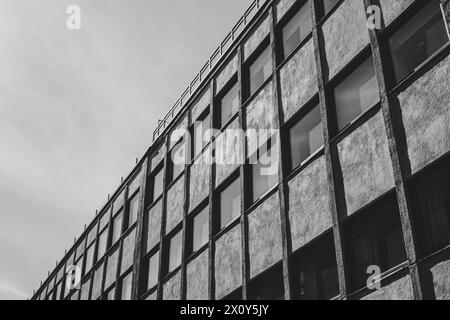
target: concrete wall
199 181
157 157
345 34
228 262
298 80
228 71
257 37
152 297
172 288
426 116
97 282
197 278
309 200
201 103
181 125
446 6
392 9
111 268
128 251
435 277
264 236
154 226
175 199
85 290
398 290
228 150
366 164
282 7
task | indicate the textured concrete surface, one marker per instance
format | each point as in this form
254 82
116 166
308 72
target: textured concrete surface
91 235
446 6
227 73
397 290
345 34
228 262
261 115
228 152
366 164
128 251
157 157
392 9
264 233
119 201
199 182
85 290
197 278
172 288
426 116
111 268
154 226
134 184
309 210
435 276
298 80
152 297
257 37
182 125
175 199
104 220
282 7
201 103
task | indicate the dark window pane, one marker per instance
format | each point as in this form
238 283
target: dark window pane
260 70
297 29
417 40
117 228
153 266
177 160
356 94
229 105
306 137
264 173
230 204
268 287
158 184
89 258
326 6
433 211
200 229
175 252
58 291
201 126
134 207
102 242
126 287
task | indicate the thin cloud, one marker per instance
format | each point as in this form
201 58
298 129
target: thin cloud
12 292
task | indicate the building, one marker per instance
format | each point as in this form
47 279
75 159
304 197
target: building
362 181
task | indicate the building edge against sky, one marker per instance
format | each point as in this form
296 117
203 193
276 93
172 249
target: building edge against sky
364 176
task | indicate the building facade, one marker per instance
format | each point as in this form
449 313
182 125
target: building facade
356 92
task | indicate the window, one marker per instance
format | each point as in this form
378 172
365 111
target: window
201 127
126 287
325 6
200 229
432 196
374 238
268 287
79 264
419 38
259 71
177 161
315 273
153 266
59 291
357 93
157 187
110 295
230 203
89 258
117 228
175 252
264 172
229 105
102 243
134 207
296 30
306 137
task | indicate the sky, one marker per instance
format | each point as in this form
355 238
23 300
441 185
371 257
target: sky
77 107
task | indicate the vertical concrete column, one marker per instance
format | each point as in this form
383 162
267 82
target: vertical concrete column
397 163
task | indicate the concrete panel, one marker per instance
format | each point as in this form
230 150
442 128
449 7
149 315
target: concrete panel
398 290
201 103
119 202
128 251
199 181
97 284
175 200
197 278
228 151
152 297
282 7
172 288
104 220
426 116
228 262
309 211
177 130
298 80
366 164
261 115
154 226
435 276
345 34
85 290
111 268
392 9
157 157
134 184
257 37
446 7
226 73
264 232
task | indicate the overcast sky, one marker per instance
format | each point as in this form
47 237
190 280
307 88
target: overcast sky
77 108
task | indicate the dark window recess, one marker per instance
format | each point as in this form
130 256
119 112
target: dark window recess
133 210
374 238
230 203
177 161
152 275
259 71
432 197
102 244
264 171
126 287
157 184
174 252
325 6
200 130
236 295
315 272
200 229
229 105
357 93
419 38
296 30
306 137
117 229
269 286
